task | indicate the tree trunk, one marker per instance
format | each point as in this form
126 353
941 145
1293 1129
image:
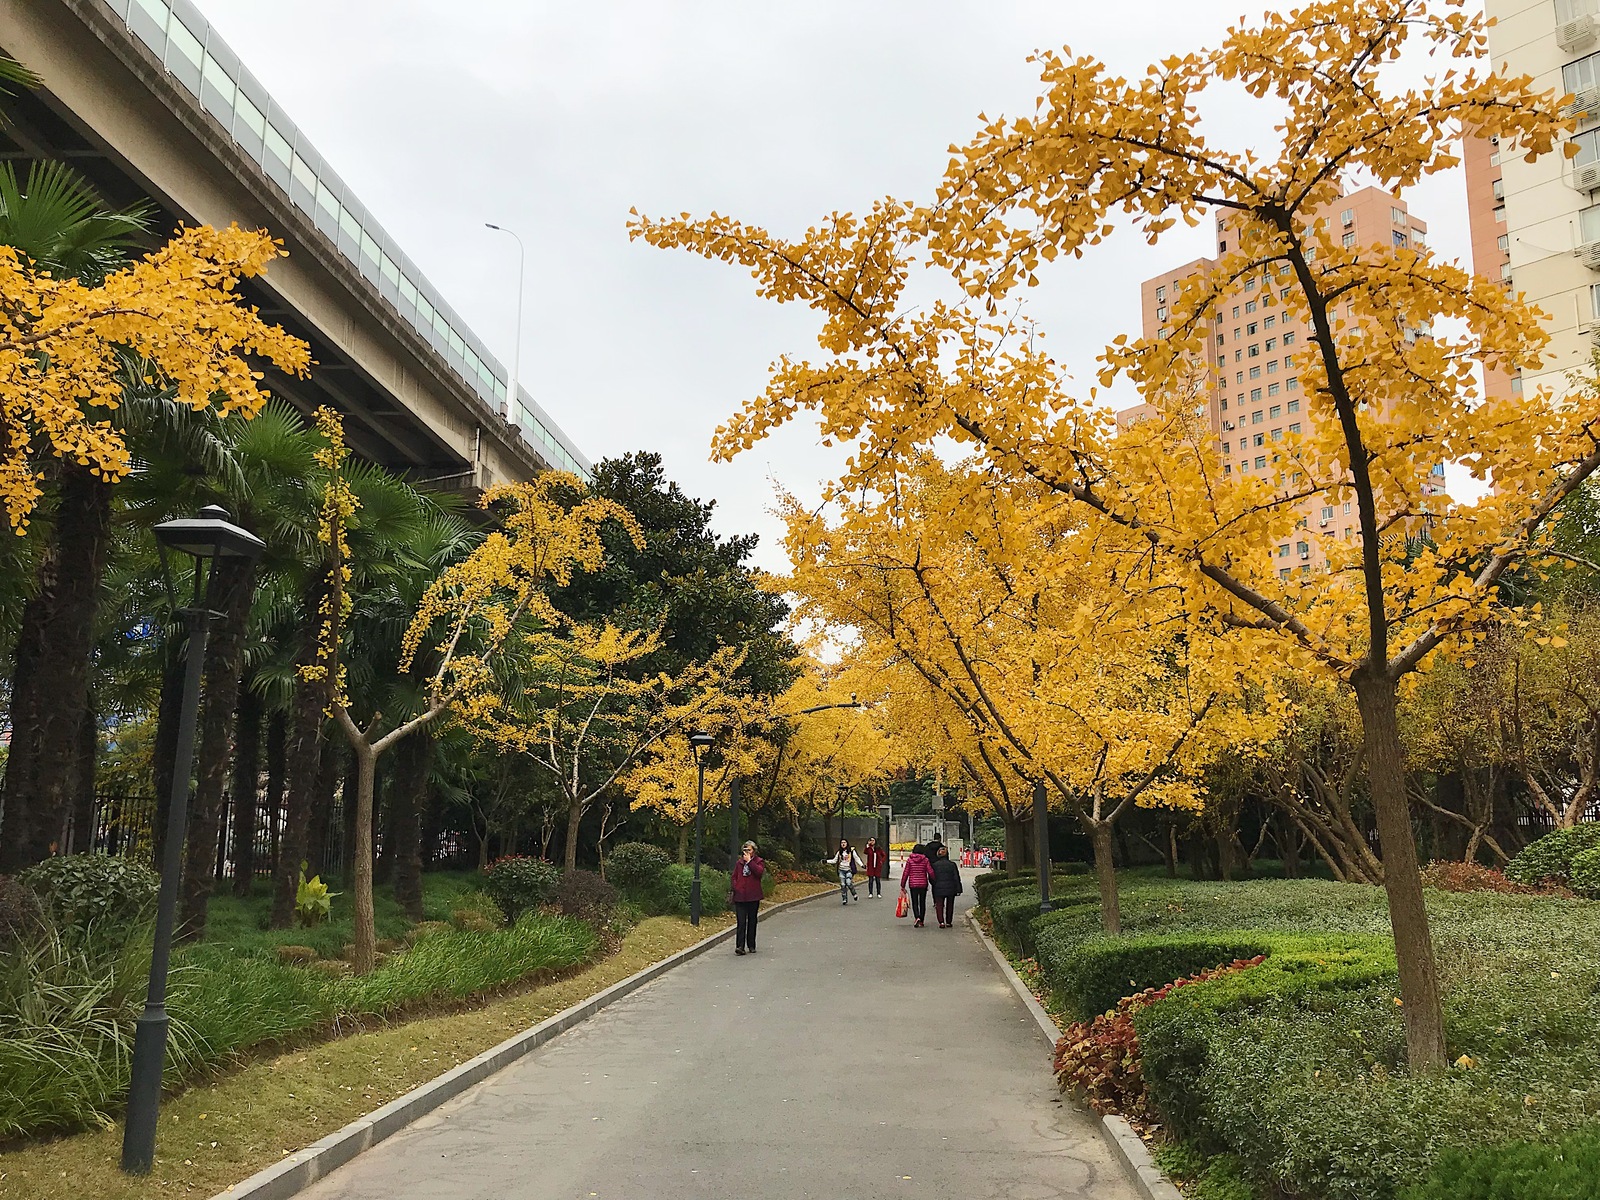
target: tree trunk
1105 873
1172 850
361 869
1408 917
303 756
574 819
382 828
277 735
50 681
166 743
408 795
246 783
230 594
1016 843
1288 836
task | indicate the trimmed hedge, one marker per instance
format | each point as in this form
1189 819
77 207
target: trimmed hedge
1550 857
1100 971
84 891
1570 1170
1586 872
636 866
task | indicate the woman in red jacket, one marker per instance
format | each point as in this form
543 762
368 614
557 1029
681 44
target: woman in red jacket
914 877
747 873
877 866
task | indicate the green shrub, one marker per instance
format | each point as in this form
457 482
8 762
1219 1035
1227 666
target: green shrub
671 895
1586 872
517 884
584 896
1100 971
83 891
636 866
313 901
779 858
1569 1170
1550 857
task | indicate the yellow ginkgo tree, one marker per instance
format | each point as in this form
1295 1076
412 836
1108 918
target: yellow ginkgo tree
1390 390
472 619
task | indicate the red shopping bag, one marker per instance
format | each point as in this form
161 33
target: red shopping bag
900 906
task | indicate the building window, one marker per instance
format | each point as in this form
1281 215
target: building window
1219 339
1283 550
1239 400
1347 218
1161 295
1504 241
1256 417
1244 444
1272 367
1292 384
1227 468
1288 337
1161 314
1238 356
1250 329
1305 568
1250 284
1222 247
1255 371
1584 73
1283 572
1277 435
1284 295
1261 439
1499 190
1505 272
1399 238
1294 427
1269 322
1303 549
1275 411
1238 377
1272 389
1249 306
1235 317
1288 361
1349 240
1255 350
1500 213
1224 404
1516 385
1397 215
1294 405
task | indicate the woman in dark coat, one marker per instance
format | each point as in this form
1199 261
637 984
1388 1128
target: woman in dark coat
946 887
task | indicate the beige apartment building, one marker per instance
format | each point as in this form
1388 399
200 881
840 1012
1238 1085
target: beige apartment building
1252 396
1548 211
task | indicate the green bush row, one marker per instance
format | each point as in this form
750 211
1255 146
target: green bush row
1569 1170
68 1007
1552 856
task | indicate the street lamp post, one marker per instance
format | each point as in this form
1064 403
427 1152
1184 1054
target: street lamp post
209 535
699 743
516 349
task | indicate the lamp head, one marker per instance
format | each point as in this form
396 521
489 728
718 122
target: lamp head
700 740
209 534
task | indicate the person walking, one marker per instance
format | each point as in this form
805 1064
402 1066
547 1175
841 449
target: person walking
848 862
915 876
931 850
946 887
877 861
747 873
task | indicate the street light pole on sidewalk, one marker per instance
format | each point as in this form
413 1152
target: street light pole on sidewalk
208 536
699 743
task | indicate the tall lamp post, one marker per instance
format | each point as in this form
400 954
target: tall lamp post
516 348
210 535
699 743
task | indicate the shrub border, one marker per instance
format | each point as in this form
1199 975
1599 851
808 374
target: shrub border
1127 1147
304 1167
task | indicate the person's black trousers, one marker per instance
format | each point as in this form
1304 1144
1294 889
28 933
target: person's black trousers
745 915
944 907
874 885
919 903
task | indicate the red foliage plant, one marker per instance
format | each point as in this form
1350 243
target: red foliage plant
1474 877
1098 1061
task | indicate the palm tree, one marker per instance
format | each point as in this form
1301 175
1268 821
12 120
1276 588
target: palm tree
56 223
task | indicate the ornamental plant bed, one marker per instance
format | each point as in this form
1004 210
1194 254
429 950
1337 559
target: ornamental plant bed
1099 1062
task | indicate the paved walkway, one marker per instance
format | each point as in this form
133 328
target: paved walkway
853 1057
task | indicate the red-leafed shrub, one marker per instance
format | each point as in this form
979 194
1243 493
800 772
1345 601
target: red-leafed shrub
1098 1061
1473 877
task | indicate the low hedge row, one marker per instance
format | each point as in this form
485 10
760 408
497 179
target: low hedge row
1295 1069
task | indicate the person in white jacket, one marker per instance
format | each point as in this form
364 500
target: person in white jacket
848 862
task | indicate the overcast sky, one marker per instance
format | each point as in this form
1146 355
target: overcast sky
554 119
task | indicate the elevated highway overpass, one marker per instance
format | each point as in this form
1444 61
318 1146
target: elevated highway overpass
145 99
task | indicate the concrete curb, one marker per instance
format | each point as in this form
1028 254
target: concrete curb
1126 1146
301 1169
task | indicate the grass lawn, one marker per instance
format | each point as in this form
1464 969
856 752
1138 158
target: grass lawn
219 1132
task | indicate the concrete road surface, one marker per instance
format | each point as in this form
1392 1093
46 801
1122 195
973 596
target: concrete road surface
853 1057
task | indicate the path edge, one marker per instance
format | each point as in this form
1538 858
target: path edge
1126 1146
300 1170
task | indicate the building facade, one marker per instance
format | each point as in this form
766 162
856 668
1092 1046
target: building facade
1250 388
1548 211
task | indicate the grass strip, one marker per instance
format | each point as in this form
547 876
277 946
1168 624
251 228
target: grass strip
218 1133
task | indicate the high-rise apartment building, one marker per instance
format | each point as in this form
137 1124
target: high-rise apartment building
1250 387
1548 210
1490 232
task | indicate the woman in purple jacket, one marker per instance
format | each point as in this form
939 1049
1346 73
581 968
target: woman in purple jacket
914 878
747 873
